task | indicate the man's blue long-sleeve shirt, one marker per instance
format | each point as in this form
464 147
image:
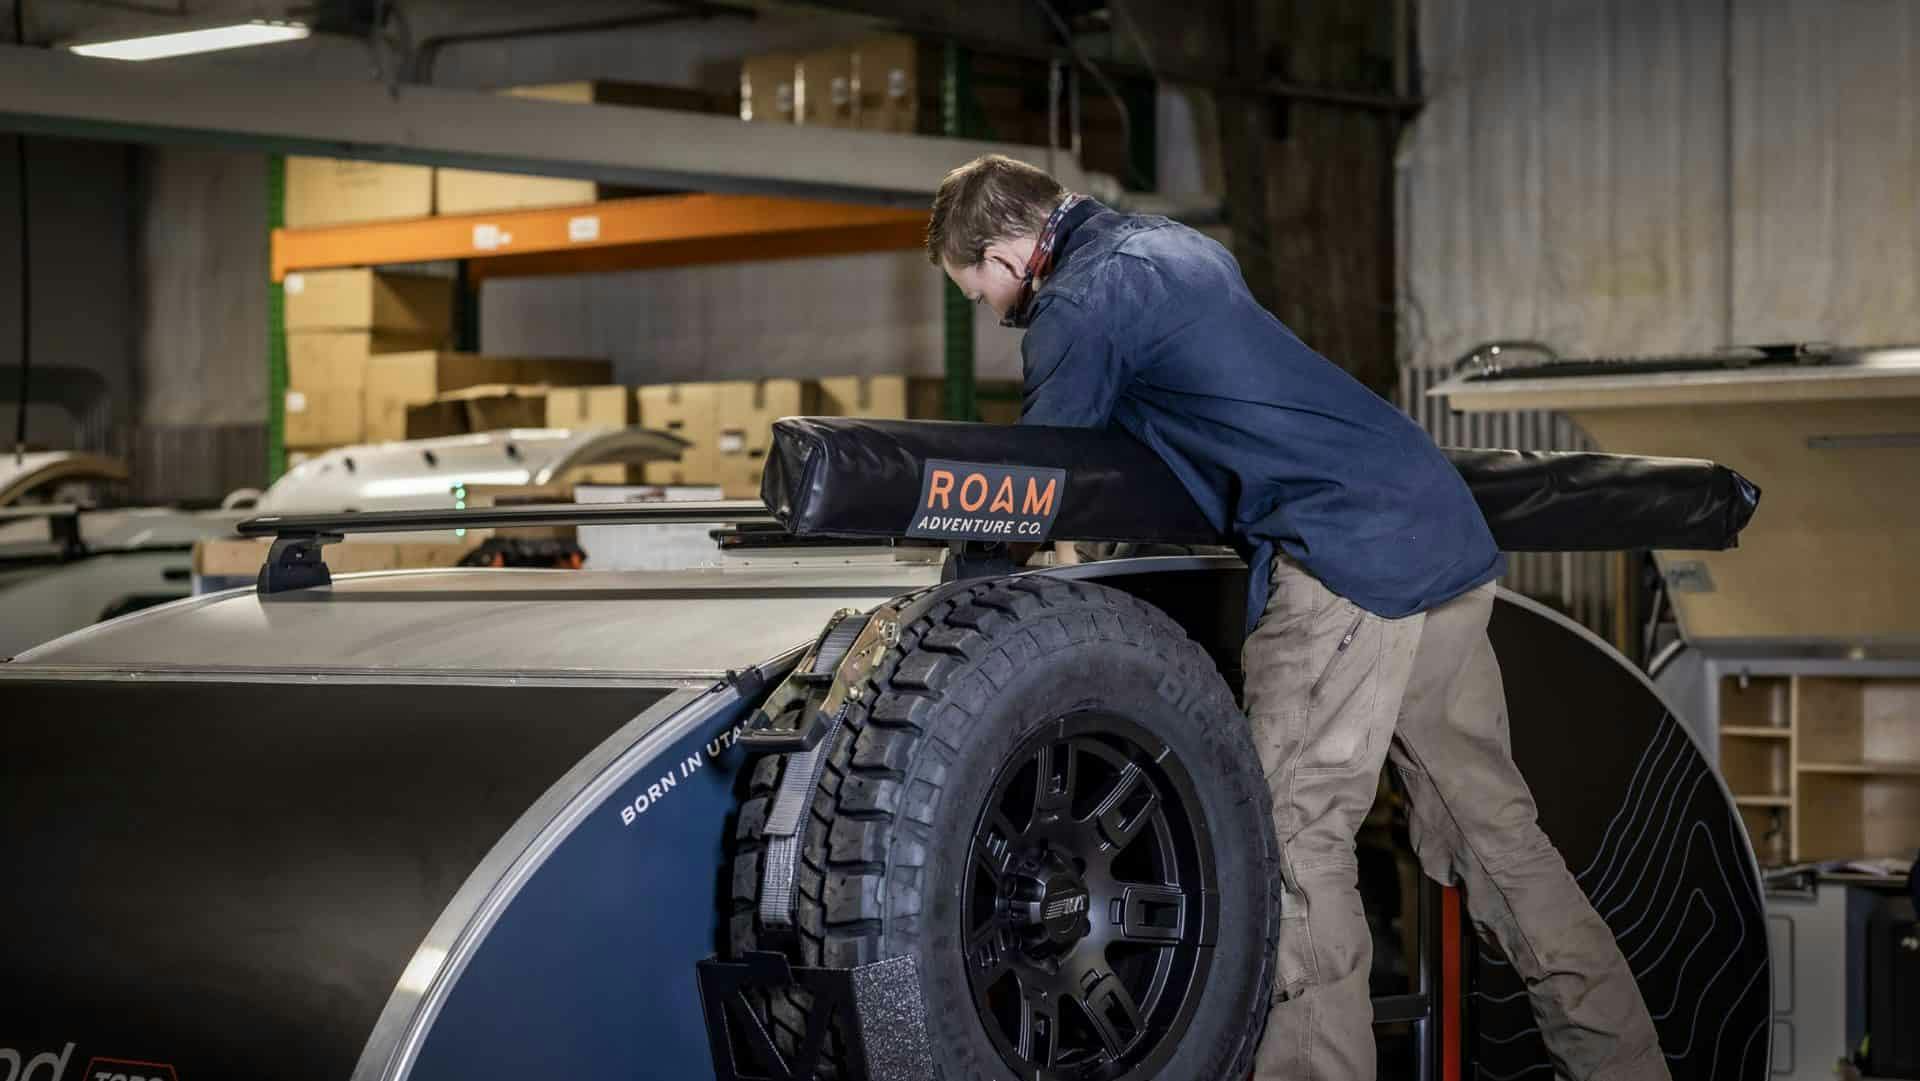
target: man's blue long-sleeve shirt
1148 325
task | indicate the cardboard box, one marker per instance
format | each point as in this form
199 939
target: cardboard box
496 407
466 191
692 412
729 427
436 419
321 418
484 408
996 400
747 411
562 371
914 397
823 89
326 383
767 89
887 84
610 406
865 396
469 191
998 403
417 304
596 407
398 380
334 191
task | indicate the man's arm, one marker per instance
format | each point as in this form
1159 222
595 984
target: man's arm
1074 372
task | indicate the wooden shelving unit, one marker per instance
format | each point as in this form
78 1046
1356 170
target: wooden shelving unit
1747 731
616 234
1823 764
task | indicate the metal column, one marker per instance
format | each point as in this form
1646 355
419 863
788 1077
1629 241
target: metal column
956 95
276 329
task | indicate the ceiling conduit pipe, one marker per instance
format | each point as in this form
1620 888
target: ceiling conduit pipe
420 70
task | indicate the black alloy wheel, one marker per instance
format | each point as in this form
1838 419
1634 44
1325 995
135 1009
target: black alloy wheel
1088 917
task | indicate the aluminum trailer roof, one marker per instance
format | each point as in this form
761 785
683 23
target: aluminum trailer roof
487 624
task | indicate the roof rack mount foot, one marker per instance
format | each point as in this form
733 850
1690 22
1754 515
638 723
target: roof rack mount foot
294 562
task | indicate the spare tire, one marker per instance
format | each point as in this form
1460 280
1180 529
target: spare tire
1046 796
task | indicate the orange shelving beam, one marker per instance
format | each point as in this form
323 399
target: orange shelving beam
618 234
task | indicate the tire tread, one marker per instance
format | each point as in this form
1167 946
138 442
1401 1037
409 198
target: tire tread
864 857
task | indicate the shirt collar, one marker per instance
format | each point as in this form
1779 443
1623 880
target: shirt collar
1072 237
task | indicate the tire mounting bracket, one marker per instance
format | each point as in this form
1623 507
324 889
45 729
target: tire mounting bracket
824 706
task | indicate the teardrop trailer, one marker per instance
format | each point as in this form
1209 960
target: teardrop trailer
823 811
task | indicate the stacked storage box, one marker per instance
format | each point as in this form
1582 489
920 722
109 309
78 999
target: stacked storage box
468 392
729 426
873 85
690 411
887 84
913 398
469 191
747 411
337 321
596 407
494 406
338 191
823 89
767 92
484 408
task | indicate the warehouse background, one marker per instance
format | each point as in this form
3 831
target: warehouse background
1608 177
1625 177
151 260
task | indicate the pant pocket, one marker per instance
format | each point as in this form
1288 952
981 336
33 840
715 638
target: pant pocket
1339 651
1294 968
1338 710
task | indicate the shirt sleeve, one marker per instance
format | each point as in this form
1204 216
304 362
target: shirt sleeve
1074 372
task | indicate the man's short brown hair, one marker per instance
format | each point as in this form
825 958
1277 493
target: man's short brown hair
990 198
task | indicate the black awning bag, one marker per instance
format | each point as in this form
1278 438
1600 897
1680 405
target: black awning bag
850 477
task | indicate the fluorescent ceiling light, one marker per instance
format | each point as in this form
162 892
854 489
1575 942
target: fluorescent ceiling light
157 46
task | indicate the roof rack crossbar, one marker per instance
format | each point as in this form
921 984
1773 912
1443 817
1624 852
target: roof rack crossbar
732 511
21 512
295 562
63 524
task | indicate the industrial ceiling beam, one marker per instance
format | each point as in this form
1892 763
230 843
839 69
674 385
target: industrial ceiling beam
55 93
614 234
1018 28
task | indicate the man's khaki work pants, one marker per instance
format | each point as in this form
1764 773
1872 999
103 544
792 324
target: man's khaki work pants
1333 691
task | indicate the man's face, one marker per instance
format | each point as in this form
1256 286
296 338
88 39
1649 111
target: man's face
995 279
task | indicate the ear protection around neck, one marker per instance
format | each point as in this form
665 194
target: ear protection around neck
1040 263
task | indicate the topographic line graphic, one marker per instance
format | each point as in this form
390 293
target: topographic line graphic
1628 803
1699 942
1630 807
1615 866
1644 874
1481 1071
1509 1039
1634 892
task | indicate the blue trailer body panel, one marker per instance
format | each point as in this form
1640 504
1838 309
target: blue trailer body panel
589 973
